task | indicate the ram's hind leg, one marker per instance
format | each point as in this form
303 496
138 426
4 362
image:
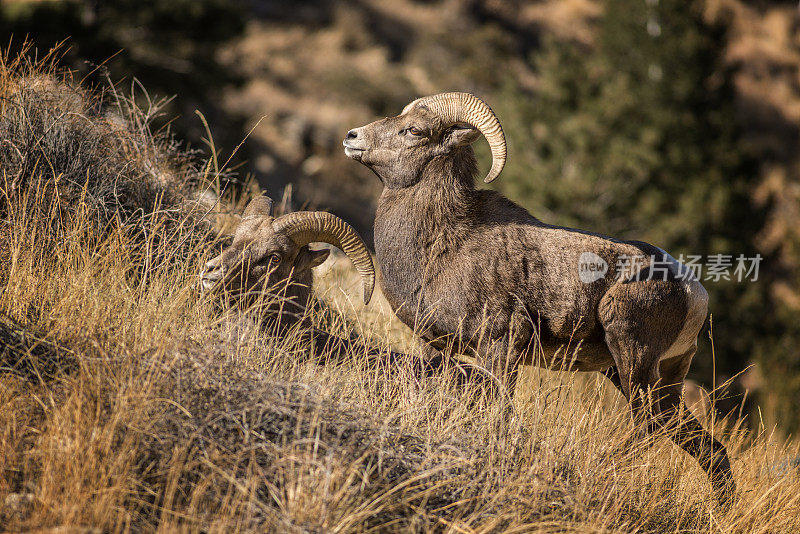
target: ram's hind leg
635 374
684 428
640 330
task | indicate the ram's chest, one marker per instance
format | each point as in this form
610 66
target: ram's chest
408 264
401 279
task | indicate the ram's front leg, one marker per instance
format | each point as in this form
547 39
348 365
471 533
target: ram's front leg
503 356
494 360
433 362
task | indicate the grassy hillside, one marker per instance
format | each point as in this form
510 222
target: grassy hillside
128 403
700 160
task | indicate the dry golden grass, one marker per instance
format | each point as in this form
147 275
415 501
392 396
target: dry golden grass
127 403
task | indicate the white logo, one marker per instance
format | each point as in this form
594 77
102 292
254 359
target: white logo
591 267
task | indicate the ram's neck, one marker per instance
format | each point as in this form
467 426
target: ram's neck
444 199
418 227
282 305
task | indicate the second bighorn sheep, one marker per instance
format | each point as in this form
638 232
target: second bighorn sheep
268 266
474 273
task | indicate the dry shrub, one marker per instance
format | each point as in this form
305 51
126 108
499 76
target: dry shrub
170 417
71 154
28 355
79 146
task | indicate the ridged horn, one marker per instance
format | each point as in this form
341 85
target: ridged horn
465 107
305 227
259 207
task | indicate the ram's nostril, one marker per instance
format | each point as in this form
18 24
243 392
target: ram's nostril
352 134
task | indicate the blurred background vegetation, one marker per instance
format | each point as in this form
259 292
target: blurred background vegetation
669 121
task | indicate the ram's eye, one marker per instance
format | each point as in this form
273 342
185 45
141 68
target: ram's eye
413 130
274 259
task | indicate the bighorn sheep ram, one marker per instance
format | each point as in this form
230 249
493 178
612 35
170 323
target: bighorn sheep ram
269 265
474 273
270 255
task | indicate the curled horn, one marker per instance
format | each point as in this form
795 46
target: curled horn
305 227
258 207
464 107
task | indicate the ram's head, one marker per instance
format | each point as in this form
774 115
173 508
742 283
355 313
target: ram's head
270 255
398 149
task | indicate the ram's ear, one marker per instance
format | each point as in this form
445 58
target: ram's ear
460 135
308 259
318 257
